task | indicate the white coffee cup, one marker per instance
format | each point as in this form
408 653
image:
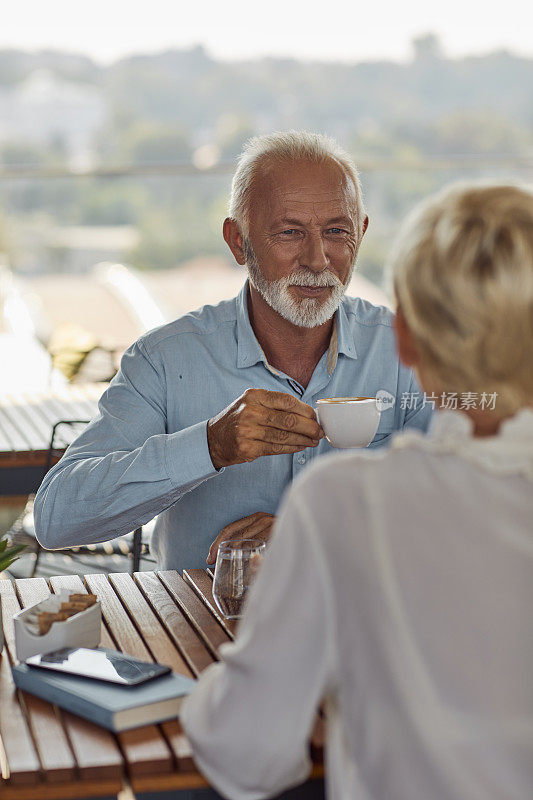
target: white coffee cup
348 421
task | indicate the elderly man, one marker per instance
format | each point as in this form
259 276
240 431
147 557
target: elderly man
212 416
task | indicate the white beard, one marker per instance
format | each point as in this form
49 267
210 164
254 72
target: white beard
309 312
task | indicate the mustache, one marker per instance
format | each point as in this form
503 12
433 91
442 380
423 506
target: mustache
301 277
312 279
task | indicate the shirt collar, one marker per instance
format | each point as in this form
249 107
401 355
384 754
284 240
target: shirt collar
249 351
446 424
342 340
509 452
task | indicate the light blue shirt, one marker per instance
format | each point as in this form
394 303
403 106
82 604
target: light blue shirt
146 452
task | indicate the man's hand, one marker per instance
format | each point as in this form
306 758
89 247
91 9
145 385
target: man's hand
261 423
256 526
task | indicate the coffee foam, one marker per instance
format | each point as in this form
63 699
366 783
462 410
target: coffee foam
344 399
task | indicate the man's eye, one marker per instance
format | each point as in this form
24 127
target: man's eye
289 232
336 230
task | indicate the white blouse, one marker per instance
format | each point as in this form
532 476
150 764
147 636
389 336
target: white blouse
399 587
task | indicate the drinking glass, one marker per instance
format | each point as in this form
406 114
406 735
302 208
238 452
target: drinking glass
238 561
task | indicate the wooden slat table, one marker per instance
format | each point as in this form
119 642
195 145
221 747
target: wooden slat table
46 753
26 422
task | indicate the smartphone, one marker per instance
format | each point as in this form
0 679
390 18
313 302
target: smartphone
99 663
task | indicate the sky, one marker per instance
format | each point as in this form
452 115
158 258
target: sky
346 30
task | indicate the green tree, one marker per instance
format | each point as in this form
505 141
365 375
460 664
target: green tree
121 202
21 154
152 143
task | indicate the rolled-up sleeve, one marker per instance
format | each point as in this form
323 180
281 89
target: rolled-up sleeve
125 468
250 717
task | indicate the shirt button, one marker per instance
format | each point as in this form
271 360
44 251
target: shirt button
301 459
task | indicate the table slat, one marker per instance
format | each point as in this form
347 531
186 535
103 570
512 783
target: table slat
153 633
95 748
26 420
31 590
198 615
31 408
52 743
19 762
10 436
88 391
89 408
75 790
202 582
145 748
51 411
164 652
23 765
83 397
122 628
152 616
75 584
180 745
57 409
16 415
15 427
175 623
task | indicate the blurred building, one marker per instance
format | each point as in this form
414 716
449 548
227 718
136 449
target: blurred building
44 248
117 304
70 111
110 306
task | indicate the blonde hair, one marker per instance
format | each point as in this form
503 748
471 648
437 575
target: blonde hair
261 152
463 276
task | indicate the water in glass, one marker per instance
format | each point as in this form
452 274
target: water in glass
235 570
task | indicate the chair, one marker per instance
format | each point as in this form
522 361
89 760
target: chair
23 531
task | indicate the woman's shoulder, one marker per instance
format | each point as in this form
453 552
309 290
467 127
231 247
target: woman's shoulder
339 486
352 467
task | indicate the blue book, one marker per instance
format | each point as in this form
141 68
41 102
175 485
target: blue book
113 706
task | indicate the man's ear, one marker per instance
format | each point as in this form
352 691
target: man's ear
407 349
234 239
365 226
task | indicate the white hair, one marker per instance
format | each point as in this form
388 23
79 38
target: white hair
463 276
261 152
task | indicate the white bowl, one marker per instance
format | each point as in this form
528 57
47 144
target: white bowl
348 421
80 630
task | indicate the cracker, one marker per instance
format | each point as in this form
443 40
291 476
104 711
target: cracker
45 620
86 599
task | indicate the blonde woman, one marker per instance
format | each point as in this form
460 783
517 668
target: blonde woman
399 585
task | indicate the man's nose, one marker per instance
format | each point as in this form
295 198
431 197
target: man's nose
315 254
